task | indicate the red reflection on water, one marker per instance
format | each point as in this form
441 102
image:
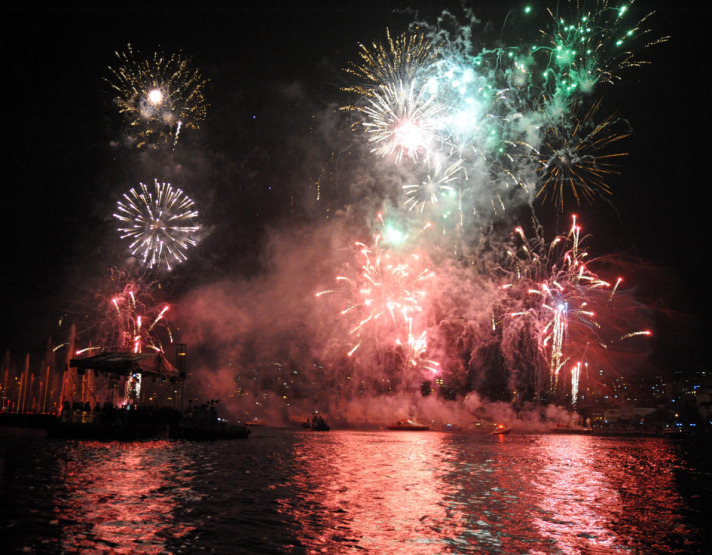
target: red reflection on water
576 498
598 496
117 498
426 492
370 491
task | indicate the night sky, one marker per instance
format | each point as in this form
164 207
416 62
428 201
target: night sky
63 176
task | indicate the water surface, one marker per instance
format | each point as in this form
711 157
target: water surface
297 491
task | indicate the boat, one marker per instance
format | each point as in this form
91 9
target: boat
317 423
203 423
500 430
408 425
255 422
674 432
132 420
110 423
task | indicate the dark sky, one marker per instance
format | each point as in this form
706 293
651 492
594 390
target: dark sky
62 177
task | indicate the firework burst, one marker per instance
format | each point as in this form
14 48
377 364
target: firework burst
159 223
123 316
437 183
401 120
432 95
158 96
486 131
574 156
554 284
586 46
401 60
382 307
135 320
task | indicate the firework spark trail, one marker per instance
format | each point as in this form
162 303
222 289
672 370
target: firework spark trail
118 323
564 295
122 316
388 287
401 60
158 96
575 377
128 327
160 224
590 46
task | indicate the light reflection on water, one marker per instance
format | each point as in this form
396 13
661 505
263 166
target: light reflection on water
434 493
121 496
342 491
376 490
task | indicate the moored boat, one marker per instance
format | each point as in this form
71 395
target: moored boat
131 419
130 424
109 423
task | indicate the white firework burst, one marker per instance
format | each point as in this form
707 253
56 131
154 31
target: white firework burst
160 224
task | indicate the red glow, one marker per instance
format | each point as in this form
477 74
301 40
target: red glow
115 492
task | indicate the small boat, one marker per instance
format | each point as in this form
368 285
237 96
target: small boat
255 422
408 425
203 423
317 423
500 430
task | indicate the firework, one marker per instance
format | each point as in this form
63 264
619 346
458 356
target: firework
159 223
401 121
123 315
575 377
563 294
481 131
510 113
437 184
401 60
573 156
554 284
158 96
589 46
134 321
382 304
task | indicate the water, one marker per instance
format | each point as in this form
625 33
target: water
297 491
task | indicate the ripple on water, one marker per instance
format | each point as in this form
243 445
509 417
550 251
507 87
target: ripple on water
387 492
